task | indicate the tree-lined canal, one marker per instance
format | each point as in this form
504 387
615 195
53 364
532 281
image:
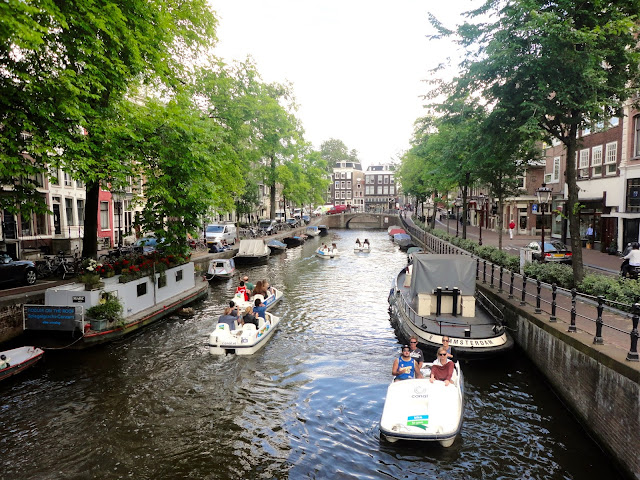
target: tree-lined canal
158 405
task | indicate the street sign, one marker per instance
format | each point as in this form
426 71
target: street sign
534 208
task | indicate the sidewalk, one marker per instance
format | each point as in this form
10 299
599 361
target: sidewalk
594 259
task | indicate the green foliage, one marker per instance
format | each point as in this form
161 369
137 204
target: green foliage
562 275
617 289
109 308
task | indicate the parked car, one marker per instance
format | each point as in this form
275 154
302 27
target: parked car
17 271
554 251
147 244
339 209
293 222
268 226
215 233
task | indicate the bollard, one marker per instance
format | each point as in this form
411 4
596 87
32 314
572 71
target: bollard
554 292
632 356
500 282
511 286
491 284
538 290
484 271
478 269
597 340
524 290
572 327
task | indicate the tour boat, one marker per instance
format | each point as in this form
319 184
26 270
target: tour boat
242 340
416 409
312 231
327 254
252 252
276 246
436 296
363 248
19 359
62 321
220 268
275 296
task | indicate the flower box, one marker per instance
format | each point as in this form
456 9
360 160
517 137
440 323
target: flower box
98 324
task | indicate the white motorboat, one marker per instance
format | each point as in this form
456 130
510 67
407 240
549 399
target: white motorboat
327 254
364 248
312 231
220 268
252 252
417 409
436 296
242 340
269 302
18 359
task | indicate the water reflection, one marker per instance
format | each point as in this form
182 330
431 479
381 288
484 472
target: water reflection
306 406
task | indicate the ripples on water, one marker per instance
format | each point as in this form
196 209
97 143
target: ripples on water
307 406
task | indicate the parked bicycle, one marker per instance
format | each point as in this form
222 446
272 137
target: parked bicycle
60 265
198 245
116 253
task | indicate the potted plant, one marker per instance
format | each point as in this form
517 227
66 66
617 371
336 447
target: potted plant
109 310
612 249
90 275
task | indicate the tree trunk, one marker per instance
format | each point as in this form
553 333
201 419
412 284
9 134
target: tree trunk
90 239
272 191
573 208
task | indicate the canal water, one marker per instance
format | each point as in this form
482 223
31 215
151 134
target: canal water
159 406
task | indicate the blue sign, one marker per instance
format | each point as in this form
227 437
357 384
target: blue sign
534 208
43 317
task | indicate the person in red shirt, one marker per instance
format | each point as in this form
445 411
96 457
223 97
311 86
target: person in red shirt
512 225
442 368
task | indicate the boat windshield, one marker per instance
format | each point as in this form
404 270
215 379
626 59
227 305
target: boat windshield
215 229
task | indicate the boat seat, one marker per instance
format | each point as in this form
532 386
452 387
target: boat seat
248 327
259 295
260 323
222 327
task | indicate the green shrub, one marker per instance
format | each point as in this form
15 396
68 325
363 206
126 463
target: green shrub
616 289
562 275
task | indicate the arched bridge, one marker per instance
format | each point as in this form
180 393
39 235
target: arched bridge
360 220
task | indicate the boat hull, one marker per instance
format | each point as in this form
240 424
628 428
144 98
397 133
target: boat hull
362 249
419 410
223 341
251 260
327 255
19 360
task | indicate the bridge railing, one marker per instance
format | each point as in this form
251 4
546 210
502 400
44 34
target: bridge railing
547 298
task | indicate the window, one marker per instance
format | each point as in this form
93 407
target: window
349 175
141 289
342 195
636 136
614 122
596 160
342 175
349 185
392 189
79 184
586 131
611 158
584 163
53 176
25 226
386 180
104 215
379 178
379 190
80 206
386 190
337 185
348 195
342 184
68 210
67 179
556 169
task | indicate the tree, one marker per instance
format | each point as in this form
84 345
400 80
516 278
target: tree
555 67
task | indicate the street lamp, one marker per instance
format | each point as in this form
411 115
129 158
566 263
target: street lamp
544 197
118 199
457 204
481 200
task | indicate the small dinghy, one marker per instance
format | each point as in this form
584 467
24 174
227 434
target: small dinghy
312 231
242 340
364 248
331 253
220 268
294 241
417 409
276 246
18 359
269 302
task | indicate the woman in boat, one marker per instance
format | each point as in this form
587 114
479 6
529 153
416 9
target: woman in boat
229 317
451 352
334 248
249 317
259 289
366 242
405 367
266 286
442 368
358 242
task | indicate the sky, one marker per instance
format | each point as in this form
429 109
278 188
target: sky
357 67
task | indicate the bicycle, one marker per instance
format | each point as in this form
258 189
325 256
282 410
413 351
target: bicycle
115 254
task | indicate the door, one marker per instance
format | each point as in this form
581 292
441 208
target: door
56 219
523 221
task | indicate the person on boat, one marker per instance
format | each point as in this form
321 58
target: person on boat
234 308
334 248
324 248
267 288
250 286
229 317
442 368
249 317
243 290
259 289
416 353
4 362
366 242
259 308
358 242
405 367
451 352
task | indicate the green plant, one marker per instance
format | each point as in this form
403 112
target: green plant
109 308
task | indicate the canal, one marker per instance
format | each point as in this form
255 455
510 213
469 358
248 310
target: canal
158 405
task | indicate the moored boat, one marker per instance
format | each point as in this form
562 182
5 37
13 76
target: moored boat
294 241
312 231
436 296
252 252
220 268
403 240
324 230
63 321
395 230
411 251
242 340
419 410
18 359
276 246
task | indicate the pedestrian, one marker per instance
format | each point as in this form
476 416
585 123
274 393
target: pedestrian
590 236
512 225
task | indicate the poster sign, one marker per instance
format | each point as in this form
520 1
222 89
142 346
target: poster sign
49 317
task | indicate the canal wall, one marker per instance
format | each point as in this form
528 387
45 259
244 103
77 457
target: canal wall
594 381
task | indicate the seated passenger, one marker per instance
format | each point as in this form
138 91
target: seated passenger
334 248
259 308
366 242
358 242
243 290
442 368
4 362
229 317
405 367
260 289
249 317
267 288
451 352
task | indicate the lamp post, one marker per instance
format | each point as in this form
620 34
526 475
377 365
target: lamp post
481 199
457 204
544 196
118 198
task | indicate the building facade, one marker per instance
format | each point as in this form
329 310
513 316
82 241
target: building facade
381 192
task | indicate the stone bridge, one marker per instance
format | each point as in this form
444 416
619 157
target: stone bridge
360 220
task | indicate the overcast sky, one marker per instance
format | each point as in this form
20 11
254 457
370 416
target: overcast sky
357 66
